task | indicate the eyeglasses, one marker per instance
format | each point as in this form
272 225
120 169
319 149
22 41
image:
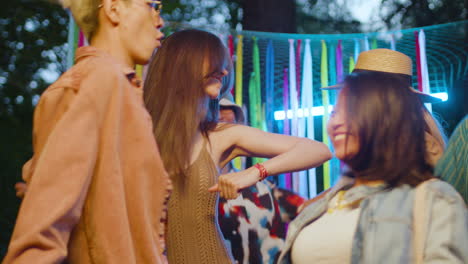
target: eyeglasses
156 5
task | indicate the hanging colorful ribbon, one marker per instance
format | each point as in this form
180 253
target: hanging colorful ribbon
239 162
269 85
336 76
231 46
252 100
231 55
286 179
258 94
301 181
426 88
308 103
392 42
292 88
339 62
239 69
351 64
325 103
298 68
255 96
81 39
70 41
286 127
418 61
139 71
300 177
366 43
331 81
294 103
332 64
356 49
374 43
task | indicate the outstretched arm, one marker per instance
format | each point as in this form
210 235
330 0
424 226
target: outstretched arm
286 153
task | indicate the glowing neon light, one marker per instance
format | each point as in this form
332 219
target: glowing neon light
318 110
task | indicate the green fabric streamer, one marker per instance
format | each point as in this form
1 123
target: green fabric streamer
324 83
255 110
252 100
351 64
259 116
374 44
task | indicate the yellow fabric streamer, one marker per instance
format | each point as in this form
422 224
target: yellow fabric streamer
139 71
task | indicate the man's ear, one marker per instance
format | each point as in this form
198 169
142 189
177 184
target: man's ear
112 10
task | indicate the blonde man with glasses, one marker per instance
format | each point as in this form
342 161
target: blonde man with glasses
96 186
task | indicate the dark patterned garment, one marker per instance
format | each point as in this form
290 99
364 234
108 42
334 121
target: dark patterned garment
254 225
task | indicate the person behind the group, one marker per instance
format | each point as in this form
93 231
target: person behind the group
453 166
96 185
254 224
185 79
377 130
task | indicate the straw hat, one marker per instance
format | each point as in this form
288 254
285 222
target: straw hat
390 61
228 102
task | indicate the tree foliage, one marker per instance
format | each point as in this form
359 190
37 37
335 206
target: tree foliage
418 13
326 17
32 38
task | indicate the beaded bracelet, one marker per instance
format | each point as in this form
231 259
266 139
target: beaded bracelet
263 171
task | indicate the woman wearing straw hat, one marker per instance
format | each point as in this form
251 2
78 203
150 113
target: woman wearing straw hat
394 211
97 187
187 75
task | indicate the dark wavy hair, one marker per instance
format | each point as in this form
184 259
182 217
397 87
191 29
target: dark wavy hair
388 119
174 93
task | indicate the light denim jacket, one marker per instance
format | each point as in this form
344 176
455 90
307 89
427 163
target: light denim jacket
384 230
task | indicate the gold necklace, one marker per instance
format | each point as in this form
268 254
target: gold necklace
340 206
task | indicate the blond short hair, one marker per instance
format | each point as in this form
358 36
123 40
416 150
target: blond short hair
85 13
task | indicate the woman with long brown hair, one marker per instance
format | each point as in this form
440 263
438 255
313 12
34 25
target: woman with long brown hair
185 79
377 129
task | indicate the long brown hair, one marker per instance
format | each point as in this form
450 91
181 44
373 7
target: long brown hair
175 97
388 120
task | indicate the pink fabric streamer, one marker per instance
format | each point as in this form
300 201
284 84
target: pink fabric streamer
286 129
418 61
231 46
82 40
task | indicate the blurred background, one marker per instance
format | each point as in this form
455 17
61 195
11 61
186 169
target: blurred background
33 52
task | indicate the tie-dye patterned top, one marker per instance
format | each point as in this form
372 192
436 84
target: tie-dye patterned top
255 224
